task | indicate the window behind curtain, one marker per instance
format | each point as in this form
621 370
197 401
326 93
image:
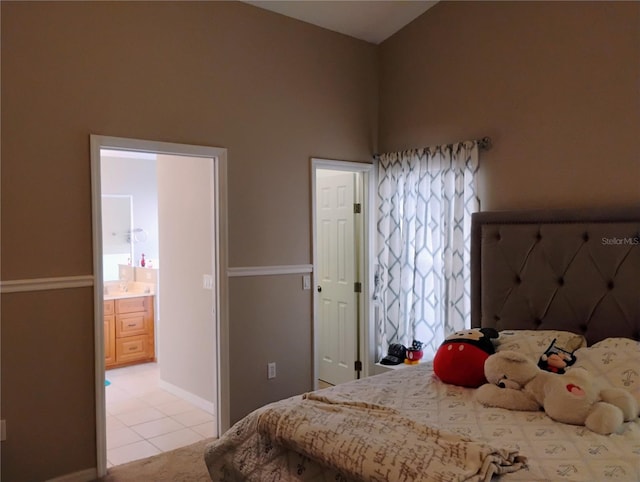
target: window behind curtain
425 201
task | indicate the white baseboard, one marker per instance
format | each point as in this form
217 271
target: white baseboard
199 402
86 475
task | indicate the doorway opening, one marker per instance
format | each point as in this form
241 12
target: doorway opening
171 309
342 201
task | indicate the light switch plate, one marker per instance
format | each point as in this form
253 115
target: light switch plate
207 281
306 282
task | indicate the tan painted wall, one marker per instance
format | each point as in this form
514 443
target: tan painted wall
555 84
278 316
273 91
48 387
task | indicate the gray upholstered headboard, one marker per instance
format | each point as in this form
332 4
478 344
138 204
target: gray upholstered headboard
575 270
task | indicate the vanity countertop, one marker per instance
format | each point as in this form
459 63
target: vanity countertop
115 291
127 294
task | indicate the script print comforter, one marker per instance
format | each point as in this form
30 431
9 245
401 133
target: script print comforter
553 451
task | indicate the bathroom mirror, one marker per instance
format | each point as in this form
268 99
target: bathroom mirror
117 226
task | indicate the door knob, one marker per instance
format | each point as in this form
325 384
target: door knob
319 289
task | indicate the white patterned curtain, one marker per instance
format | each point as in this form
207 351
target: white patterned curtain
425 200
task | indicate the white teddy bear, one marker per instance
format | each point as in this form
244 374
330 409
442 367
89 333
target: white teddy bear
516 383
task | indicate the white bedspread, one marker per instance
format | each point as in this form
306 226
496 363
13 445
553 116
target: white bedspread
371 442
554 451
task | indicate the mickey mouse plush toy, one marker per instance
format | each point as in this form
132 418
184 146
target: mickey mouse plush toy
555 359
461 356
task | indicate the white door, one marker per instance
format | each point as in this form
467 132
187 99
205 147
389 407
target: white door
336 297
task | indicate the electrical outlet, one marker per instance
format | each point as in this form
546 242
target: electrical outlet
271 370
3 430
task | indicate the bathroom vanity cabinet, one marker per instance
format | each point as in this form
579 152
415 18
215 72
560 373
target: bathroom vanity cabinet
129 331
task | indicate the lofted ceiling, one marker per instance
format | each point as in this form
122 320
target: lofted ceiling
371 21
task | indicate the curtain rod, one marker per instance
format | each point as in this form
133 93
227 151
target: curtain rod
484 143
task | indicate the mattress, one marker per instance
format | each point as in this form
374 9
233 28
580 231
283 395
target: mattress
553 451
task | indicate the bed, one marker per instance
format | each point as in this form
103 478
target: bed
570 275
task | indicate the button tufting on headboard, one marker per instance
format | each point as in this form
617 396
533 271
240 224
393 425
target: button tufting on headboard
579 270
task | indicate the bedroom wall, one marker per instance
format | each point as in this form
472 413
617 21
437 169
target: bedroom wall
554 84
273 91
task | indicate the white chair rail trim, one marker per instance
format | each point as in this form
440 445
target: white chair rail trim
42 284
269 270
65 282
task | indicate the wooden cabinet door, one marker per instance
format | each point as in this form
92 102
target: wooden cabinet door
109 307
109 340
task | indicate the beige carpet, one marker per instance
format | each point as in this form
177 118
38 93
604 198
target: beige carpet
185 464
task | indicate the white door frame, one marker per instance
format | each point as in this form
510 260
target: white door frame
367 334
219 156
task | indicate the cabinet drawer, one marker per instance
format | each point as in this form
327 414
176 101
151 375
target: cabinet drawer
109 307
131 305
131 324
134 348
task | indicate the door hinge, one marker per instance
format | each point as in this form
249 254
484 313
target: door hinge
357 287
357 208
358 366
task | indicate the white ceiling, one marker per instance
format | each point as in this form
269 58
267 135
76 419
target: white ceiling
372 21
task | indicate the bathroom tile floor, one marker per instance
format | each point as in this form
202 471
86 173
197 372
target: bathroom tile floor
145 420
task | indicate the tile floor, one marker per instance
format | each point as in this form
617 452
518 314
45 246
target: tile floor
144 420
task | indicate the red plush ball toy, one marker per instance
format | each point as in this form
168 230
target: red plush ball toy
461 356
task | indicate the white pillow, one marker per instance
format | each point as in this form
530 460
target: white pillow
533 343
615 362
617 343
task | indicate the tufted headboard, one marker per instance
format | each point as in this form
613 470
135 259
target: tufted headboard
575 270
